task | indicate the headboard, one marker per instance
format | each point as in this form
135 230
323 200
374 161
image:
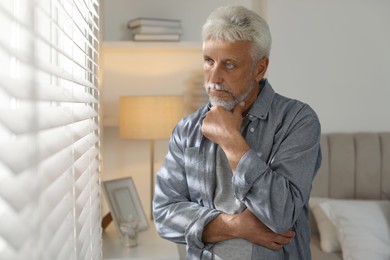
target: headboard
354 166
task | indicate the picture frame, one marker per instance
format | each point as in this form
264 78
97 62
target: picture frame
123 200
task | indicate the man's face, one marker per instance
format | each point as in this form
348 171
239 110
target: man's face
229 73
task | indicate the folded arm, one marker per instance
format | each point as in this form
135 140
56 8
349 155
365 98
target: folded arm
245 225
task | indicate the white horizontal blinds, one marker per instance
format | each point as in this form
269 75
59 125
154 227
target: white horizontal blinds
49 134
18 188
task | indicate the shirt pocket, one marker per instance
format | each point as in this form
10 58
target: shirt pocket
194 166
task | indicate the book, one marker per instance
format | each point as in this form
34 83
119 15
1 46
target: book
151 29
140 21
156 37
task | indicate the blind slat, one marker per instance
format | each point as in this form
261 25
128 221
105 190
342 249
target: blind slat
18 155
20 89
23 185
24 57
89 33
61 239
10 229
19 121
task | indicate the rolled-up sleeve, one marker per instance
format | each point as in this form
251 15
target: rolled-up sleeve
277 191
178 212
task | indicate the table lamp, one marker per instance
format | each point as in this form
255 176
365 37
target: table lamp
149 118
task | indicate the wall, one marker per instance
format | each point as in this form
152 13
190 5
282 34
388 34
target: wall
128 71
335 55
139 71
331 54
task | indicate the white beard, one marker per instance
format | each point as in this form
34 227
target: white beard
228 105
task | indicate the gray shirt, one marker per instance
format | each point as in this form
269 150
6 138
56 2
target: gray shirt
273 178
225 201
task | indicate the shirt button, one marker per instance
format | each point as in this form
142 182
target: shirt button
252 129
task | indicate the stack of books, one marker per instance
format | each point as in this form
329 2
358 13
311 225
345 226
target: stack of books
155 29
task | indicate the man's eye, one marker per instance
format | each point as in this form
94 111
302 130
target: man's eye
229 65
209 61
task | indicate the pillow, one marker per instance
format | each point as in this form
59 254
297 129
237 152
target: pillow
363 227
329 241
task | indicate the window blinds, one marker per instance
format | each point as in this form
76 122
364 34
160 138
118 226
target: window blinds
49 130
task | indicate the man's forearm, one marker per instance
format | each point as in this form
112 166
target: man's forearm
244 225
219 229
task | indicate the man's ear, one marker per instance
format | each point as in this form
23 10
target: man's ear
261 69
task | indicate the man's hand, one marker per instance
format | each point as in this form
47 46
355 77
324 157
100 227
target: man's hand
245 225
253 230
220 124
223 127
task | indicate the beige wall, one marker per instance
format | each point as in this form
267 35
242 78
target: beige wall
128 71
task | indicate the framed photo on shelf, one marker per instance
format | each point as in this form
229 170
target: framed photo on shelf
124 203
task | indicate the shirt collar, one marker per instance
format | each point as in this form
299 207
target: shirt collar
263 102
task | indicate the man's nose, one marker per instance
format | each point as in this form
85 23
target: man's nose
215 75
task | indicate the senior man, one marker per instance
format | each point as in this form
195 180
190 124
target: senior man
236 181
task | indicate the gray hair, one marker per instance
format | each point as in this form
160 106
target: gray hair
237 23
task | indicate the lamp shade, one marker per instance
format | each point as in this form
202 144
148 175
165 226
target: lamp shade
149 117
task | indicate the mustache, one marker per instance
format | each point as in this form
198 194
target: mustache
219 87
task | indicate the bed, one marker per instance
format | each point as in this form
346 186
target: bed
349 206
354 176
